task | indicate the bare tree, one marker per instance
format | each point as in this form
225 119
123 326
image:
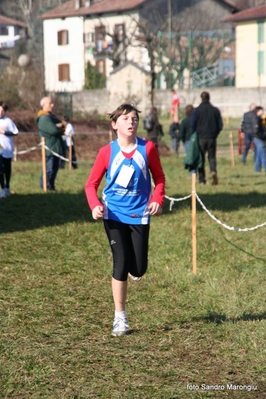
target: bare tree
121 37
183 44
148 36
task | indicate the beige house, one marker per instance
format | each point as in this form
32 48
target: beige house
250 29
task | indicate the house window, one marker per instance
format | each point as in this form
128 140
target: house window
99 37
99 32
120 32
260 32
100 66
62 37
260 62
64 72
89 38
3 31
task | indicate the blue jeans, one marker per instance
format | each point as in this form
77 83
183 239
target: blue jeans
248 141
175 144
52 166
260 155
186 144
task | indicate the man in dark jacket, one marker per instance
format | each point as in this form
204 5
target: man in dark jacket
52 129
155 129
248 128
206 120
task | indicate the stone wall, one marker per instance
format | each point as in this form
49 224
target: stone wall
231 101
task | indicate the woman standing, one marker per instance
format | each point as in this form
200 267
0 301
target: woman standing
8 129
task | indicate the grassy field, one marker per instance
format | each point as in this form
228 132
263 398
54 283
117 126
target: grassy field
200 336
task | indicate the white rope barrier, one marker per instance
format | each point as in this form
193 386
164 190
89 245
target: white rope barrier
57 155
225 225
66 159
172 200
39 146
29 149
232 228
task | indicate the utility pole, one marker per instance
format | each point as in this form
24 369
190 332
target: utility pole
170 40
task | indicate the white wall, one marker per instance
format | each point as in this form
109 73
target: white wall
72 54
247 55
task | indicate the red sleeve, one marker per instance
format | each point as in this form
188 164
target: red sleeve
97 172
156 172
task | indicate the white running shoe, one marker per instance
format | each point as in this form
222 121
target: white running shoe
7 190
120 327
134 278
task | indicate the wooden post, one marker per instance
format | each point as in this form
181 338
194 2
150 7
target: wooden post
44 180
240 142
70 154
15 153
194 236
232 149
227 116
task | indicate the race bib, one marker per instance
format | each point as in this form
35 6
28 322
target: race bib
125 175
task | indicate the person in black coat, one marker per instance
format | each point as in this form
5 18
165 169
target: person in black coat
185 127
174 133
206 120
155 130
248 129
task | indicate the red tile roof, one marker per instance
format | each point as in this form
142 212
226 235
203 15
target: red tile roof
248 14
9 21
104 6
234 7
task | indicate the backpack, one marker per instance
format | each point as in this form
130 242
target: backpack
148 122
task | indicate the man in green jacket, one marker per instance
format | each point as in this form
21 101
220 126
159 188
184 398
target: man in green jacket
52 129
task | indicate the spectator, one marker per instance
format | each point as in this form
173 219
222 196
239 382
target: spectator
248 129
154 129
185 127
206 120
8 129
174 133
68 141
127 202
175 105
260 137
52 129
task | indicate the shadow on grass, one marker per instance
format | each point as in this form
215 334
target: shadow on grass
221 318
243 250
225 201
33 211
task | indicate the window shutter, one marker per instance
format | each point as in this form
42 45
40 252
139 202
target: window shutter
64 72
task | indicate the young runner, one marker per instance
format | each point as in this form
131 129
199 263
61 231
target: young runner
127 202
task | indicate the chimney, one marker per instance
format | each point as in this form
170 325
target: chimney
78 4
